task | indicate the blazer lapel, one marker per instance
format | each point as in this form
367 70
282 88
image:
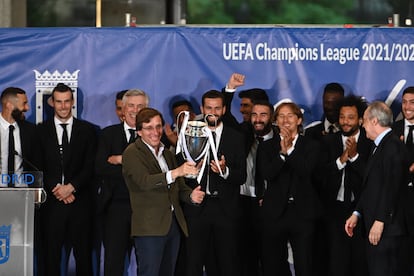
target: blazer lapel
148 154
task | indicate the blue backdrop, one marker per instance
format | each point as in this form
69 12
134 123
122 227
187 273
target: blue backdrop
170 62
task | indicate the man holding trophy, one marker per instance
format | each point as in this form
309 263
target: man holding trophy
214 223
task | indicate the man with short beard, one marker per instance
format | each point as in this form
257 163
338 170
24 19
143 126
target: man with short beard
14 105
214 224
252 191
402 129
347 153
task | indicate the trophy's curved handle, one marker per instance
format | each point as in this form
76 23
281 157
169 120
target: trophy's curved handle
215 120
178 118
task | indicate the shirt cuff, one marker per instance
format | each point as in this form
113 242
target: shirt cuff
339 164
354 158
356 213
226 172
229 90
168 177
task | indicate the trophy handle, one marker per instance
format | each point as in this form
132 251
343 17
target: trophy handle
178 118
208 115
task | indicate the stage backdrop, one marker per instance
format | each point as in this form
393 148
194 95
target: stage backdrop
173 62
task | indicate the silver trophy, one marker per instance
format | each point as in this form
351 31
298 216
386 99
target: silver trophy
192 140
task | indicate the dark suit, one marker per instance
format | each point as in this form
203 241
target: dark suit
246 128
320 268
67 223
250 221
114 200
151 201
346 256
381 199
408 246
283 219
28 142
215 222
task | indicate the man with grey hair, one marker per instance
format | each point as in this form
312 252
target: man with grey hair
113 199
380 204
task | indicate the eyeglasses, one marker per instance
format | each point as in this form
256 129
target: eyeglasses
157 128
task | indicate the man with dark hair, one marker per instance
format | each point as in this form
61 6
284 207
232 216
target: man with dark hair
332 94
214 224
176 108
404 129
66 154
380 206
16 152
156 188
118 104
247 98
347 153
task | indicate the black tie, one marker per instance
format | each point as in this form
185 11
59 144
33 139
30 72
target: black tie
10 159
132 136
65 139
212 185
258 180
409 141
331 129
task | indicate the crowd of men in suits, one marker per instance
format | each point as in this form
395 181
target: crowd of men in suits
339 193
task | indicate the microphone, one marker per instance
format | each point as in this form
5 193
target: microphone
26 161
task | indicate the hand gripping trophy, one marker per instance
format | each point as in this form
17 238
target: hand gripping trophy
194 141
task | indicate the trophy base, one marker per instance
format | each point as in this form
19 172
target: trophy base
191 176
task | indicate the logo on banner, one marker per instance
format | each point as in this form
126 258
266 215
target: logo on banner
46 81
4 243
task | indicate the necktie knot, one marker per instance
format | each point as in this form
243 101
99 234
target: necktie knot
259 139
11 127
331 129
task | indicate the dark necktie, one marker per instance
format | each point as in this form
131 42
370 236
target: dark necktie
258 180
331 129
10 159
212 185
132 136
409 141
65 139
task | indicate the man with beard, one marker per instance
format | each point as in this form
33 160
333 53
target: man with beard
65 153
404 129
214 224
16 152
332 94
347 153
252 191
247 99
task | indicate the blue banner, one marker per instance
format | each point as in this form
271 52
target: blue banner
171 62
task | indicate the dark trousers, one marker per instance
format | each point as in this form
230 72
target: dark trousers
157 255
277 232
117 237
67 224
346 256
212 229
250 237
407 256
383 259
